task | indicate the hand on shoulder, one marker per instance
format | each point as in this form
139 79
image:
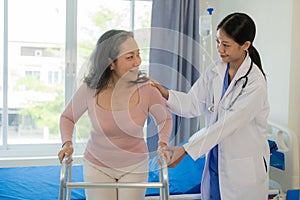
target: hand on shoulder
164 92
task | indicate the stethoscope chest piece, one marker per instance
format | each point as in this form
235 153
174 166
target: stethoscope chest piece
211 108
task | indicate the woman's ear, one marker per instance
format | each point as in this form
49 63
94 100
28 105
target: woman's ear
111 64
246 45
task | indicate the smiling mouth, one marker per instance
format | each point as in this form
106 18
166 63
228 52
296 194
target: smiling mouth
133 69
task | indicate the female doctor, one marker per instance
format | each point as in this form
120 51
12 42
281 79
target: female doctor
233 96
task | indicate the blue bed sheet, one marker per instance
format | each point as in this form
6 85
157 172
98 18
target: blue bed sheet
293 195
42 183
35 183
277 158
185 178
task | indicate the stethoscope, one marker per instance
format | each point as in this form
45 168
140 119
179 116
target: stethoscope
211 108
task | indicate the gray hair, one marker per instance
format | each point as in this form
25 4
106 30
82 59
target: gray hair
107 49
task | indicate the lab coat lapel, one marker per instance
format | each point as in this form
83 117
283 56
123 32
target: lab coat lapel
241 72
218 83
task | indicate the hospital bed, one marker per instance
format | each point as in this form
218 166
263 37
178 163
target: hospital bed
284 170
184 180
43 182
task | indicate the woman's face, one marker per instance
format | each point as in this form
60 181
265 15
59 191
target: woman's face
126 66
229 50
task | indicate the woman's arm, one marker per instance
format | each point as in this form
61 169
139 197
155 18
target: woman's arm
161 115
73 111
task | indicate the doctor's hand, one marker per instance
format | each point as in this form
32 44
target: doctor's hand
66 151
164 92
177 153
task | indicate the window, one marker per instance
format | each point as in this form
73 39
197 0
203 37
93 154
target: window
53 77
41 70
32 103
2 49
97 16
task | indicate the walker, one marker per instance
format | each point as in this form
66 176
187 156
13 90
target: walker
66 185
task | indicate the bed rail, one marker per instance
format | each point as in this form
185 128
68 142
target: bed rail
66 184
287 143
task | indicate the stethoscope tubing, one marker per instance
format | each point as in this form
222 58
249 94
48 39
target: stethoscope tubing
211 108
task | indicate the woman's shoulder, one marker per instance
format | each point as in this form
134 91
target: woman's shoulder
83 88
148 90
145 87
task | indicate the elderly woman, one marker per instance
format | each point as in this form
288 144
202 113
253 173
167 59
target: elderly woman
118 99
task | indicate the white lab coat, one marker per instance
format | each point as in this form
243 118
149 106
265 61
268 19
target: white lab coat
240 131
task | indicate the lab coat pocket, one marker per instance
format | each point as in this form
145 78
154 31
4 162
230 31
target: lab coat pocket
262 169
242 172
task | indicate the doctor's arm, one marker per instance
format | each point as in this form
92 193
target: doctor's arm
191 104
243 111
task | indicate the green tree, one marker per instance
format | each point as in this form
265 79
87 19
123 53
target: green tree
44 113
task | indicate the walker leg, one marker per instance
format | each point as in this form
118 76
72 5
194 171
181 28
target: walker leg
164 191
62 181
68 196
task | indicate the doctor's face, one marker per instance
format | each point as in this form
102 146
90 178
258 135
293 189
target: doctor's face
229 50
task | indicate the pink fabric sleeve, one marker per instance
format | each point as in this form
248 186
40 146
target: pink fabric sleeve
161 115
73 111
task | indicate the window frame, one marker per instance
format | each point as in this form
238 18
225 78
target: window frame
43 154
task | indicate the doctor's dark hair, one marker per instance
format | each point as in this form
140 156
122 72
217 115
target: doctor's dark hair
241 28
107 51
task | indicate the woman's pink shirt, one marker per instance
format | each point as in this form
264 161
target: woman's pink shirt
116 137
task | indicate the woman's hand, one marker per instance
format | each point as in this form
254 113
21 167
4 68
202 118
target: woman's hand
177 153
164 92
161 152
67 150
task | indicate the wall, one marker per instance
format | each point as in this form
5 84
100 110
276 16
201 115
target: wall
294 107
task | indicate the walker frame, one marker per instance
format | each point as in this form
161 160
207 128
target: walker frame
66 184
